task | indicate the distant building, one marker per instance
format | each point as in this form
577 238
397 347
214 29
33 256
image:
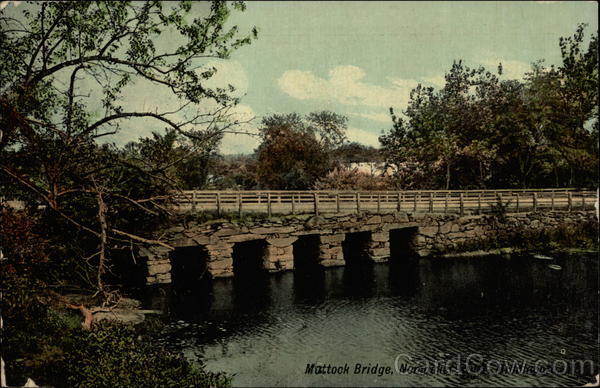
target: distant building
371 168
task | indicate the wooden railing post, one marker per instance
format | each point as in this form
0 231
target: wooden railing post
219 204
552 199
518 198
293 204
462 205
378 203
446 203
337 202
316 201
479 204
430 202
582 200
534 201
415 202
194 201
269 210
240 200
569 201
358 202
399 207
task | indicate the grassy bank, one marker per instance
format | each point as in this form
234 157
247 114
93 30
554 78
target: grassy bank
45 341
573 238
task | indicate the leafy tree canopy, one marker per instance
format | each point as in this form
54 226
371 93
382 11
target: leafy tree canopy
479 131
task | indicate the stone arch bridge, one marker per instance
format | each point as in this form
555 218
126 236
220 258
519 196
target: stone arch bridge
304 229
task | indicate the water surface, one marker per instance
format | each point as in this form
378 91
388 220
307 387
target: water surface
265 331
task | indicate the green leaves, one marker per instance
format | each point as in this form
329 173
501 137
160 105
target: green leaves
294 151
487 132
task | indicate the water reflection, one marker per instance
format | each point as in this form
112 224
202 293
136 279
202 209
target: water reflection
265 329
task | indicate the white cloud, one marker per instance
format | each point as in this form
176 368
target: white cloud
362 136
345 85
228 72
438 81
511 69
3 4
236 143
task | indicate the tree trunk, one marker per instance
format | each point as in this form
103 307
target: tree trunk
103 242
447 176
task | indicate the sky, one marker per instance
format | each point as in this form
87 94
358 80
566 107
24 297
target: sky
359 58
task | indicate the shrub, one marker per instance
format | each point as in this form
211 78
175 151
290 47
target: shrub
115 355
48 344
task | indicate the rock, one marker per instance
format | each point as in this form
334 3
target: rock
423 252
380 237
273 230
332 238
388 218
220 264
159 269
245 237
402 217
123 315
129 303
446 227
314 221
282 242
373 220
380 252
227 232
429 231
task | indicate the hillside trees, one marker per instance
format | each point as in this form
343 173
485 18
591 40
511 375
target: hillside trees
479 131
65 69
296 151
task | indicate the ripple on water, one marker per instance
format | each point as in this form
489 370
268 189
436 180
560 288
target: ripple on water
521 313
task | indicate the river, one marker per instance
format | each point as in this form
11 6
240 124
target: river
433 322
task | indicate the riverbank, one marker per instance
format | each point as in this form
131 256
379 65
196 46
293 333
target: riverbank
45 338
579 237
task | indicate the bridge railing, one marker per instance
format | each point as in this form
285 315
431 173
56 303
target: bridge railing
432 201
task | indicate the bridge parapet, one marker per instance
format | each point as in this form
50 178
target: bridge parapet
424 201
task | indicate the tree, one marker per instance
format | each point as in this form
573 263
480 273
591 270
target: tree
329 127
294 152
436 131
479 131
65 67
356 152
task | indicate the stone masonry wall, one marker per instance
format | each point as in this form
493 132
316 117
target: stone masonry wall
435 232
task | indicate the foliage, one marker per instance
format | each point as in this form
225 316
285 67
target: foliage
347 179
354 152
234 172
295 151
479 131
65 70
42 341
583 236
112 354
20 238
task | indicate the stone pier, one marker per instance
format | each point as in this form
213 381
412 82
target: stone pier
330 250
220 259
279 254
379 247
